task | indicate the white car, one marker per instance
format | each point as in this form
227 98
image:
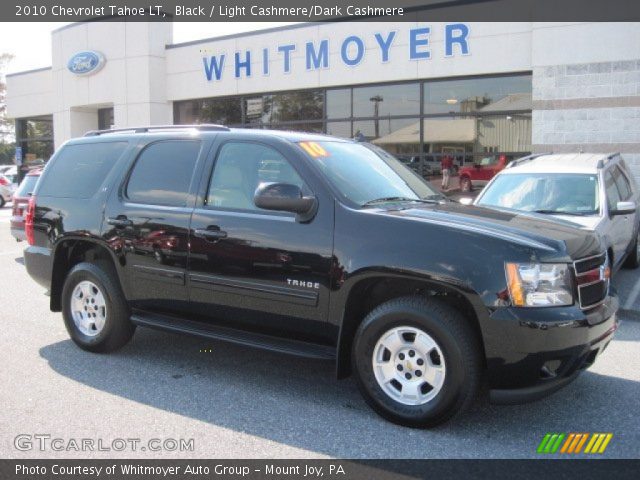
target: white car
594 191
8 187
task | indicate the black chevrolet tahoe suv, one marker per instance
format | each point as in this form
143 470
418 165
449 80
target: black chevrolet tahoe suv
322 247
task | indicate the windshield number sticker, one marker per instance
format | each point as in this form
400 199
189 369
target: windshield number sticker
313 149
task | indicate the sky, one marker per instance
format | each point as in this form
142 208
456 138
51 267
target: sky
30 43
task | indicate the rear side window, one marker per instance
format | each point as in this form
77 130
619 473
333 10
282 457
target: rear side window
162 174
27 186
78 170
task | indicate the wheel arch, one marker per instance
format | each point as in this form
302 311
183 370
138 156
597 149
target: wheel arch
67 253
376 288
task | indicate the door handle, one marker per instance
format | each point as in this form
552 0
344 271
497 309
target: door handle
120 222
210 233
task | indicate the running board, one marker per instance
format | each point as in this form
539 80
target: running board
241 337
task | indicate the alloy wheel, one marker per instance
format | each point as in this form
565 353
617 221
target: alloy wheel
409 365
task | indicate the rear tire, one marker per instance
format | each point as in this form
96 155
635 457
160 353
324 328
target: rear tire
421 345
2 201
633 260
94 309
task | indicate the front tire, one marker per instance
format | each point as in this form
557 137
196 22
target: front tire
417 361
633 260
94 309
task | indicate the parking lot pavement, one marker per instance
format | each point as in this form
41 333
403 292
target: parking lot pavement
240 402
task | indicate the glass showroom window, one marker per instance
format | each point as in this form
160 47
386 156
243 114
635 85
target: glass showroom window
297 106
397 136
387 100
339 103
35 136
224 111
339 129
105 118
508 93
467 118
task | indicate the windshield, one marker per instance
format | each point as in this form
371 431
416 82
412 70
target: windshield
367 174
562 194
27 185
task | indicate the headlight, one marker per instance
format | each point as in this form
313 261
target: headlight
539 284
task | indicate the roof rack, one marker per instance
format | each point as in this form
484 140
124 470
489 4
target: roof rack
205 127
528 158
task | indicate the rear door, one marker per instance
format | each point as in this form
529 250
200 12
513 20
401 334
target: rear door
147 222
253 265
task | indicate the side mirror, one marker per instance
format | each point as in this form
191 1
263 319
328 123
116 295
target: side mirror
466 200
284 197
624 208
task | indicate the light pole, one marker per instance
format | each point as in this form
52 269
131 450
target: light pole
376 101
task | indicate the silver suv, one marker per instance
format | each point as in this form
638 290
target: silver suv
595 191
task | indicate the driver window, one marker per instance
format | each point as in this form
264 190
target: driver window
241 167
613 196
622 183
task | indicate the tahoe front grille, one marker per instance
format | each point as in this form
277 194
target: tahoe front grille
592 278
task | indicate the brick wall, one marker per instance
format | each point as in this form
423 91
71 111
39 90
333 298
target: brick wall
592 107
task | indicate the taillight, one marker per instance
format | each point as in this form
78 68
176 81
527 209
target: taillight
4 182
28 220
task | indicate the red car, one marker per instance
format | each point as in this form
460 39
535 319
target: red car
20 202
480 173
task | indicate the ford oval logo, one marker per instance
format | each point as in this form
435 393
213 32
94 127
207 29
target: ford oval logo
86 63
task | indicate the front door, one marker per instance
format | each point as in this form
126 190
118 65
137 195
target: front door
244 259
147 223
620 225
628 222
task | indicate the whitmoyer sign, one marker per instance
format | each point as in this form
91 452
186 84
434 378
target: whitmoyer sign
314 55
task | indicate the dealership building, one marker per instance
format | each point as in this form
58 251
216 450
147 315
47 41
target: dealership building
416 89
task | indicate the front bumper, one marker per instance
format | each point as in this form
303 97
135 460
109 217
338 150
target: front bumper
532 353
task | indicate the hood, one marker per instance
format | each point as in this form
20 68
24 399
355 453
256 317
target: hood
587 223
533 230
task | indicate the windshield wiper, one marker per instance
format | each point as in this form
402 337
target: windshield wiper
376 201
436 196
563 212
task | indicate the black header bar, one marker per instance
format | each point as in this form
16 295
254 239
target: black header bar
333 469
318 10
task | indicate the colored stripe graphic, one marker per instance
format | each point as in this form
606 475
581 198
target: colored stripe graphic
604 445
598 443
574 442
572 438
551 442
543 443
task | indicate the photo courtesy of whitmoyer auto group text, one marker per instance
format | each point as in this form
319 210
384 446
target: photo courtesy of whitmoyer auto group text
372 239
